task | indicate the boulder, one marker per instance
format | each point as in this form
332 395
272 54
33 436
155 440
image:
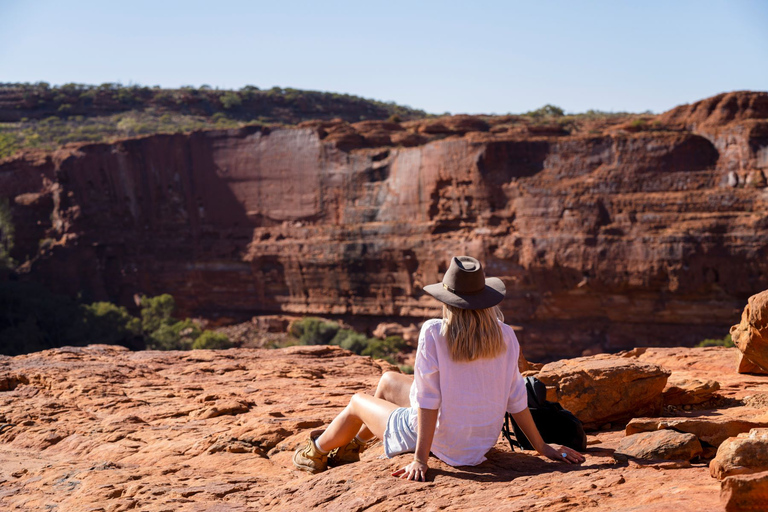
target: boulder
743 454
751 334
745 493
747 366
711 430
660 445
688 391
604 388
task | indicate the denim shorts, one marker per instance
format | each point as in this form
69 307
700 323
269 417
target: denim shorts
399 437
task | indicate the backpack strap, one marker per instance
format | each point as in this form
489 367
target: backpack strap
537 392
509 434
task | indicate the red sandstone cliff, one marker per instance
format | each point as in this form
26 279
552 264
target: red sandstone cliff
607 238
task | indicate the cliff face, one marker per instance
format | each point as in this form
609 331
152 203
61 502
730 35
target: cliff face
606 239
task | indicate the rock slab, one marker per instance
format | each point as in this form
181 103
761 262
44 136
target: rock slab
103 429
604 388
688 391
660 445
710 429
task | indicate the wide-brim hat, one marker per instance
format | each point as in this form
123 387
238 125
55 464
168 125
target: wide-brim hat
465 286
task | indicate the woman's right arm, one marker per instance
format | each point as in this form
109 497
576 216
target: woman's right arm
554 452
417 470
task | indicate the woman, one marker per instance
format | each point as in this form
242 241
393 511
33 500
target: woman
465 378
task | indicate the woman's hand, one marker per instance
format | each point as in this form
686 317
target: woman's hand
556 452
413 471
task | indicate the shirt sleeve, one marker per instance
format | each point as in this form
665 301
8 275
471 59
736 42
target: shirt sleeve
426 373
518 395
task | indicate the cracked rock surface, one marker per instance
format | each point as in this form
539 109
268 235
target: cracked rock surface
101 428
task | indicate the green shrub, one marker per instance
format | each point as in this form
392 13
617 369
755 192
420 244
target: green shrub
212 340
219 117
350 340
9 144
316 331
547 111
384 349
165 337
109 324
161 330
406 368
126 95
723 342
156 312
187 330
180 335
230 100
313 331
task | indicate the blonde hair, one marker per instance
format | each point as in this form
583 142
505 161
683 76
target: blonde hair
472 333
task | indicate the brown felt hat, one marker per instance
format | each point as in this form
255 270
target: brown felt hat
465 286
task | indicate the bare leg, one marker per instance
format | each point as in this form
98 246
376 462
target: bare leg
362 410
393 387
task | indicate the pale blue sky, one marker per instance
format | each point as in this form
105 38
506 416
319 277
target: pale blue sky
462 57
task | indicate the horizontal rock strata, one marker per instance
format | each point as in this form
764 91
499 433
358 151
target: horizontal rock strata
711 429
607 238
660 444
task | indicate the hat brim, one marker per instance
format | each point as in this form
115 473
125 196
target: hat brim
492 294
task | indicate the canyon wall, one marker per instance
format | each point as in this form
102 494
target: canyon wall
606 238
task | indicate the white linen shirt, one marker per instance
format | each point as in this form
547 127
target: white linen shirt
471 396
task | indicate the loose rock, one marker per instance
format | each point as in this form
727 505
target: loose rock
744 454
661 444
751 335
745 493
688 391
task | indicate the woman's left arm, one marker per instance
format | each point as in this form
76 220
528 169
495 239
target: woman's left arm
556 452
425 432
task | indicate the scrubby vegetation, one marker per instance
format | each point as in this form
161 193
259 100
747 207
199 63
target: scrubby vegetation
546 111
32 318
53 132
316 331
40 116
553 120
720 342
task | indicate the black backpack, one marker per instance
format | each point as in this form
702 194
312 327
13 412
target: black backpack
555 424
